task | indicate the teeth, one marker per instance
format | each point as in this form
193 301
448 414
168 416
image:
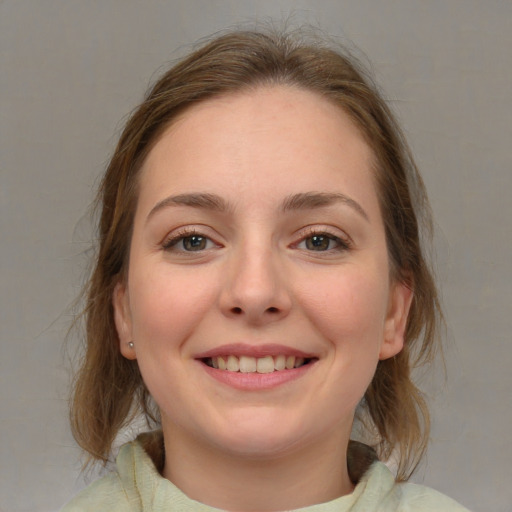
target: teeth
233 364
280 363
265 364
246 364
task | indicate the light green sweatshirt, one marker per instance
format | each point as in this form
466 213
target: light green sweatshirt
137 486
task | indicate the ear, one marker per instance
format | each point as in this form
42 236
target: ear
123 321
400 299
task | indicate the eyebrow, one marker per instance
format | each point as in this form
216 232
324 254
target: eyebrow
311 200
300 201
193 200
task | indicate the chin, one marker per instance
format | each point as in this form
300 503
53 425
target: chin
259 437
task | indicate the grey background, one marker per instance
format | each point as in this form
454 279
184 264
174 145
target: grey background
71 70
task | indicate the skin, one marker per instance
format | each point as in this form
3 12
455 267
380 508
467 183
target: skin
258 280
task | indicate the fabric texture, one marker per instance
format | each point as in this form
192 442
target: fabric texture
137 486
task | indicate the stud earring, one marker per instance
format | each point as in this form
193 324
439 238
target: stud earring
131 344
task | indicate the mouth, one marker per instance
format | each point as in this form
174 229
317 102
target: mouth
256 367
265 364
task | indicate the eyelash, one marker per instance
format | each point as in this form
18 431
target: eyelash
342 244
171 242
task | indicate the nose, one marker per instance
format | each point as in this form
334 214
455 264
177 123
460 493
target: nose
255 288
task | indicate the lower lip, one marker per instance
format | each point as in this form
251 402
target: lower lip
256 381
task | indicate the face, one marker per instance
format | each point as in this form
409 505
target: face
258 293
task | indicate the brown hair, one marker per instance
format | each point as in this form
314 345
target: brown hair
108 387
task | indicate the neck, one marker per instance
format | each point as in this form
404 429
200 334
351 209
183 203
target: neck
299 478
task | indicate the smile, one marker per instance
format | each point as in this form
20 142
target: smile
247 364
256 367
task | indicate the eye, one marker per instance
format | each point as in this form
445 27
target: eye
194 243
323 242
188 242
319 243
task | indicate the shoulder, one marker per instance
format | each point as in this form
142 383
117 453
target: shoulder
378 489
419 498
106 494
408 497
117 491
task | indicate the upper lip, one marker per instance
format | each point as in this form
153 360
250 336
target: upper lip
250 350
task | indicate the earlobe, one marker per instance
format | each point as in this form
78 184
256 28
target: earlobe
122 318
396 321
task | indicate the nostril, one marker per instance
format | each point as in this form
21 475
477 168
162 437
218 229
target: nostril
272 310
237 310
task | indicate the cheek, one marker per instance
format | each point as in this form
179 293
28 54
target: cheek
167 306
350 308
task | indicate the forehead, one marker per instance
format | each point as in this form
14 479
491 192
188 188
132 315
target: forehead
268 137
302 112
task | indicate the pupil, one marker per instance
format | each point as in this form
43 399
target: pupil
194 243
318 243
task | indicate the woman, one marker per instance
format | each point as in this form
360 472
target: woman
259 281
